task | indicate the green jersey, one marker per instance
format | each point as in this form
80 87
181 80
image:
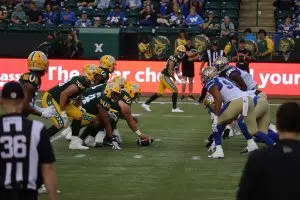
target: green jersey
115 109
176 60
95 96
34 80
80 81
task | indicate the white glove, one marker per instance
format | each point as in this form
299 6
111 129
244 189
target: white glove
48 112
65 118
83 111
214 124
115 144
183 81
177 82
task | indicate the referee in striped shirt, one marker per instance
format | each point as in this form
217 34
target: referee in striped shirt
25 148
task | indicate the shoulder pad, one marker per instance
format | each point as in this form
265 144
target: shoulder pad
32 78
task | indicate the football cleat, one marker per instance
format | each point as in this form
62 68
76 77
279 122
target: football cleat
90 141
43 190
99 137
117 134
146 107
177 110
219 153
66 132
76 144
251 146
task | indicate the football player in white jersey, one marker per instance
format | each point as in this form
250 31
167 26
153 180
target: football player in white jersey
235 103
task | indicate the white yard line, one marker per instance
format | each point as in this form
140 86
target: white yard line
57 137
80 156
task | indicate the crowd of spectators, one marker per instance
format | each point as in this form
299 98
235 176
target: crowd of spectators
291 23
168 13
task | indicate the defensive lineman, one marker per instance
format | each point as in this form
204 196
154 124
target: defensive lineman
24 149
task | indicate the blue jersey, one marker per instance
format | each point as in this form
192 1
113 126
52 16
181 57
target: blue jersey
247 78
227 89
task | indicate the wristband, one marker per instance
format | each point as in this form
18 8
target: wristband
63 113
138 132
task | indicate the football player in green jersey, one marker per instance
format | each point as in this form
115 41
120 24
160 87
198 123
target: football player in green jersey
167 79
97 102
62 95
120 110
37 63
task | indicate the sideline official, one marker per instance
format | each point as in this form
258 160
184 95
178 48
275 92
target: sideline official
273 173
24 147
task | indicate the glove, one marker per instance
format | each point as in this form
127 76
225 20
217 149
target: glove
115 144
65 118
83 111
48 112
214 124
183 81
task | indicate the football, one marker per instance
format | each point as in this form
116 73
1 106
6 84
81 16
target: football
144 142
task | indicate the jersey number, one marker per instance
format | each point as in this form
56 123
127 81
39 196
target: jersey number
13 146
63 83
91 97
228 84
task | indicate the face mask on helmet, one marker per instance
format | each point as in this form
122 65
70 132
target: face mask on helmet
181 54
114 97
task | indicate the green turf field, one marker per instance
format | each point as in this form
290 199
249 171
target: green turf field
176 166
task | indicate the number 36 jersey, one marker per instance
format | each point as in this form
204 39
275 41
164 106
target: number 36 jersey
227 89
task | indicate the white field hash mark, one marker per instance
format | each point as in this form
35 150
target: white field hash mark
137 156
80 156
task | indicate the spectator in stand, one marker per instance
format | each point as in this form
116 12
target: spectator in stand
193 19
49 16
74 46
265 45
163 13
133 4
148 3
9 6
19 16
53 3
3 16
181 39
84 22
103 4
248 35
297 27
67 17
184 6
86 4
287 27
227 27
176 17
198 6
243 56
147 17
230 49
34 14
116 17
39 3
97 22
210 22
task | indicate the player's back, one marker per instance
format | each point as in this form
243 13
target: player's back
227 88
81 82
32 79
247 78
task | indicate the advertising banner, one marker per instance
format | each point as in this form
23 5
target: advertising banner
98 42
279 79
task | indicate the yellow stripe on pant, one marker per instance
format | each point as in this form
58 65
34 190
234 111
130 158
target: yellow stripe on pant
165 82
71 110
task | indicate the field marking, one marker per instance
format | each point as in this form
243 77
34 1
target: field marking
137 156
157 140
136 115
196 158
179 102
80 156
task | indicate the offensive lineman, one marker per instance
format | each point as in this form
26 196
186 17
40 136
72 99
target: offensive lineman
61 96
235 101
167 79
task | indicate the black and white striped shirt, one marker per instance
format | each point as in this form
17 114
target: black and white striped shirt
24 146
210 56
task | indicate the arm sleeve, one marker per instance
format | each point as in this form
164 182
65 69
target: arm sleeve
250 181
45 150
227 49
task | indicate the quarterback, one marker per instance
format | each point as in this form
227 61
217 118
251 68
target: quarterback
167 79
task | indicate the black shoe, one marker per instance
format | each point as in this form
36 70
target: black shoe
191 98
182 97
226 134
